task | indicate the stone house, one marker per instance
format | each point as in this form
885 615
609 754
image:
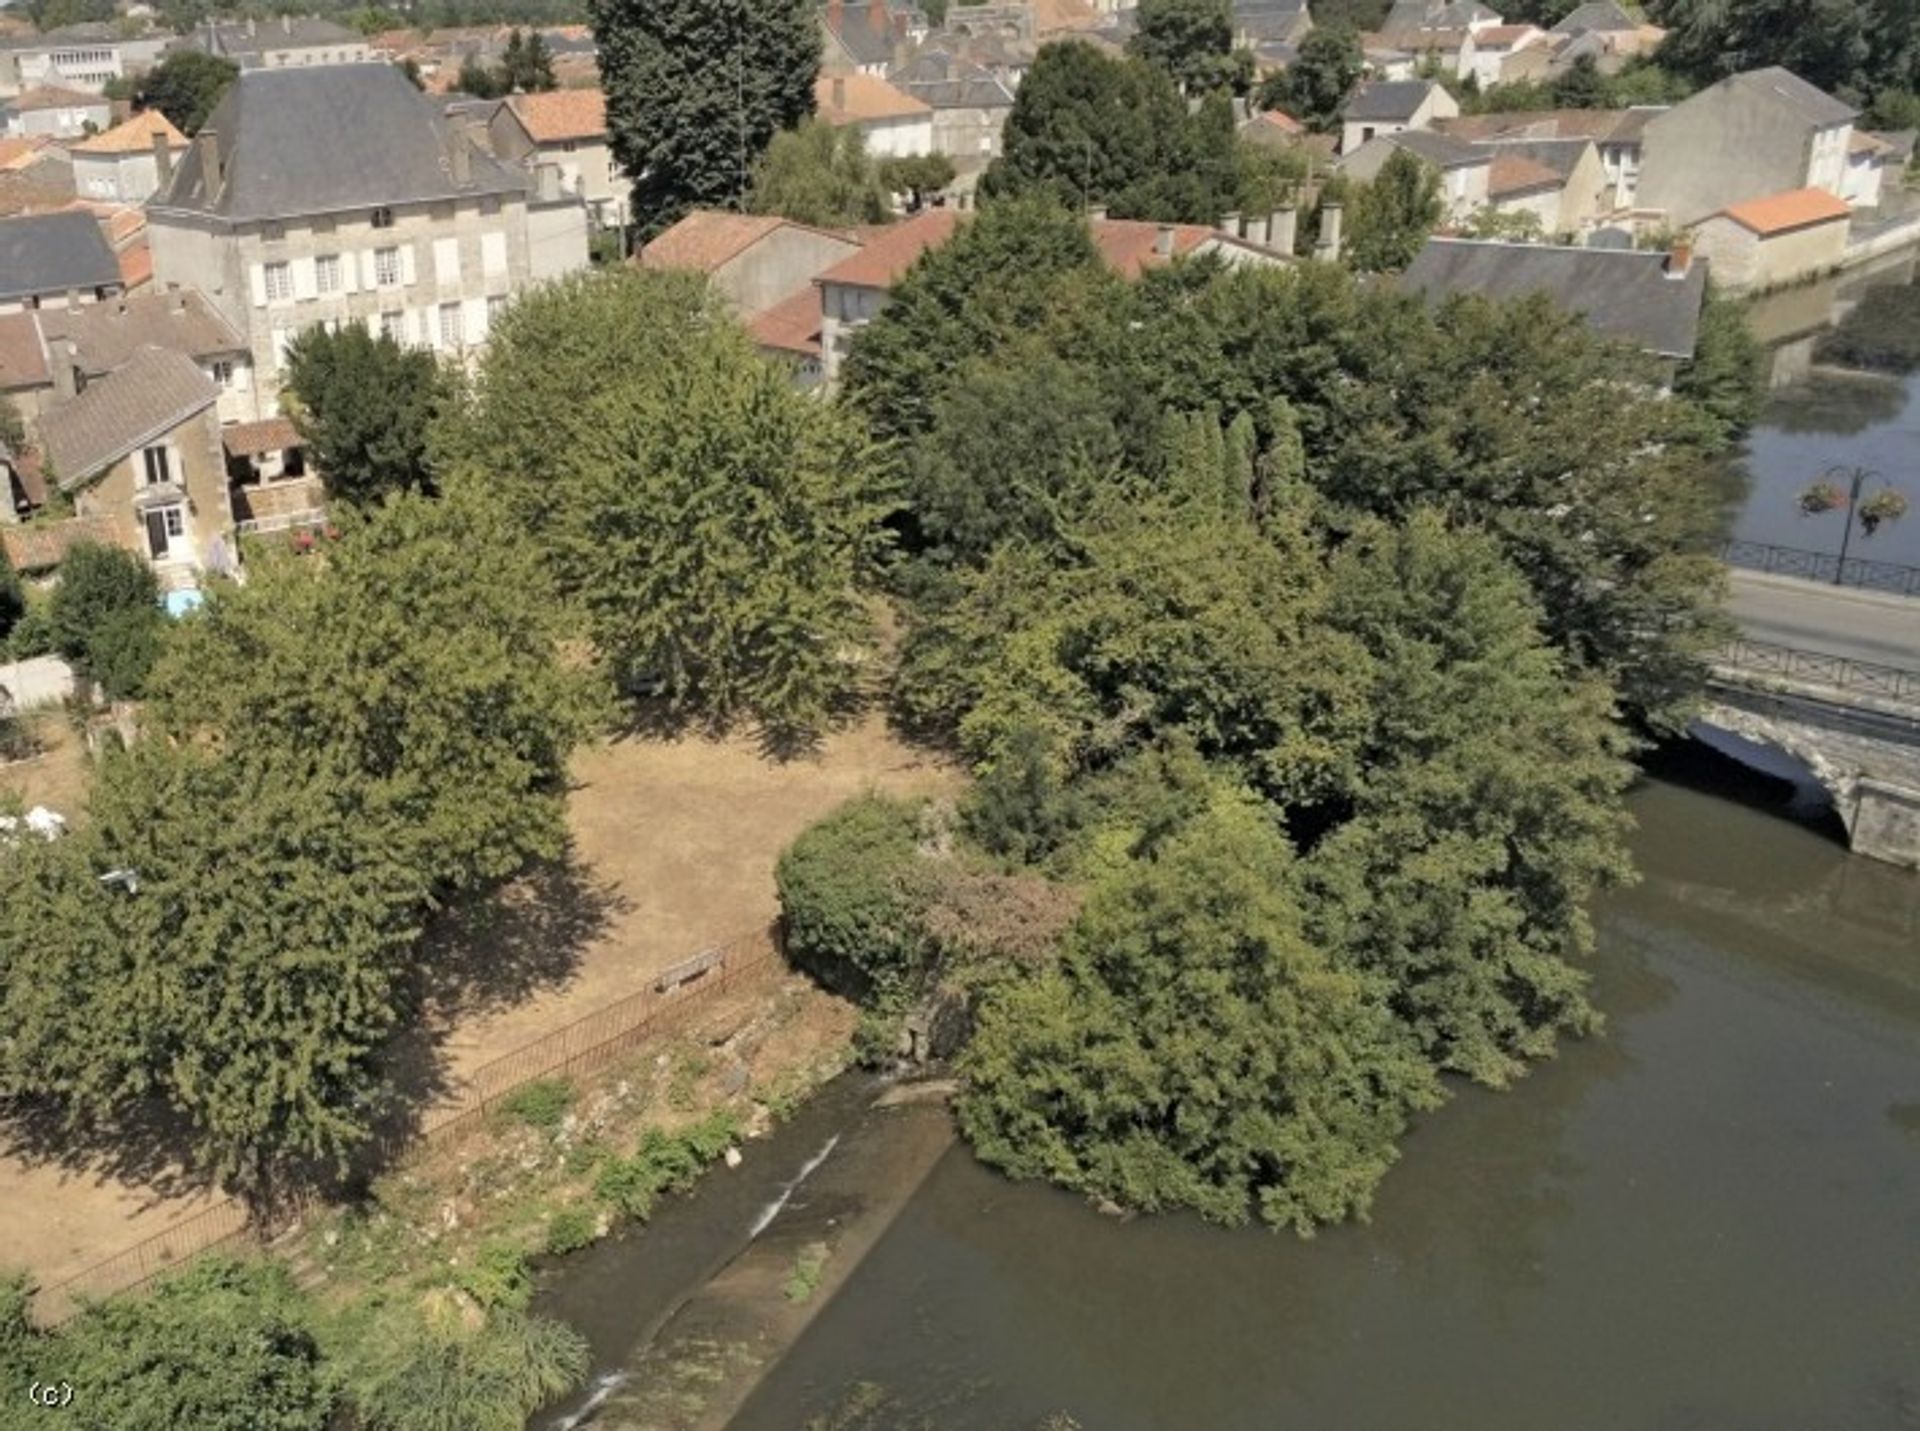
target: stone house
280 42
866 38
1392 107
340 194
1561 182
1763 132
970 106
1617 136
1465 169
57 112
138 450
52 260
126 163
754 260
567 128
81 57
1489 52
894 124
1776 240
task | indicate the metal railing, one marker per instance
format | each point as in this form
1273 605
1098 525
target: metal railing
1817 668
1823 567
588 1042
281 522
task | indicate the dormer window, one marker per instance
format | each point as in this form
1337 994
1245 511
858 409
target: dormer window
383 218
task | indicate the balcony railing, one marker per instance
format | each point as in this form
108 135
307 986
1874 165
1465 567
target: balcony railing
282 522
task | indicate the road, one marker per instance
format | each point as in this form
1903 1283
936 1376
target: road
1835 620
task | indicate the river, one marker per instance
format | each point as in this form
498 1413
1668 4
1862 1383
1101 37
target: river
1709 1217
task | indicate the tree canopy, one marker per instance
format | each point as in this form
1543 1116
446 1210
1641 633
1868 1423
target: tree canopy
105 617
1389 219
1192 40
363 406
819 174
696 91
1314 88
185 86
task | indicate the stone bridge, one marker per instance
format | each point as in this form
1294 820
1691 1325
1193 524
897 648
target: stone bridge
1832 677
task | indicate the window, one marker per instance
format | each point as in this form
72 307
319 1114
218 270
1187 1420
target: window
383 218
393 324
386 267
279 282
157 463
222 371
449 325
326 273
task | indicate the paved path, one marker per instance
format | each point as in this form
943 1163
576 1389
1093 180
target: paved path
1835 620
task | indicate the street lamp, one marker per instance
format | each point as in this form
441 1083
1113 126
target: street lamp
1889 504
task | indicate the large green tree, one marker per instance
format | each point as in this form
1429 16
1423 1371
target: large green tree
1390 219
710 524
696 90
1193 1049
819 174
363 406
185 86
1852 47
1314 88
105 616
1192 40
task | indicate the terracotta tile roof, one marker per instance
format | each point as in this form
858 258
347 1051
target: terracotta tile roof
136 265
1128 245
252 439
1795 209
23 359
853 99
561 114
1511 174
892 251
792 325
1279 119
134 137
107 335
37 546
22 150
53 97
707 238
1498 37
1053 17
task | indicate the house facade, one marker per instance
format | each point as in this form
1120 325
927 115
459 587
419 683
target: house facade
128 163
1464 169
754 260
568 129
1775 240
84 57
893 123
1764 132
281 42
1392 107
54 111
340 194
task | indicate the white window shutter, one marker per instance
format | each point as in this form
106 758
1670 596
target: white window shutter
407 274
446 260
259 274
369 277
372 320
349 273
493 252
242 374
304 286
473 322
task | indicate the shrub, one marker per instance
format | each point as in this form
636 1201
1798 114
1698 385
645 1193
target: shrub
540 1104
105 616
844 889
571 1229
499 1277
664 1162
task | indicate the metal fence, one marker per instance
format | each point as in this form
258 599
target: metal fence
1816 668
589 1042
1823 567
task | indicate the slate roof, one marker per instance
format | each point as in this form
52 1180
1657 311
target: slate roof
282 32
1389 100
326 139
150 395
1559 156
948 82
1514 174
93 32
50 253
1440 150
1602 15
1623 294
1814 104
866 31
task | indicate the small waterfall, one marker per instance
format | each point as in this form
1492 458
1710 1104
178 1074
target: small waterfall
772 1209
603 1386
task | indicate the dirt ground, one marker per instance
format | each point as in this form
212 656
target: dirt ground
57 777
674 847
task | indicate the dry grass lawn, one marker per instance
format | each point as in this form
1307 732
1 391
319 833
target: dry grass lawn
675 844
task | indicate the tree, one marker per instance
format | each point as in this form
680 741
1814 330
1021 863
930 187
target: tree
687 133
710 524
819 174
363 406
1189 39
1486 807
526 67
1390 219
847 896
105 616
918 176
1193 1049
1725 381
480 80
1580 85
185 86
1314 88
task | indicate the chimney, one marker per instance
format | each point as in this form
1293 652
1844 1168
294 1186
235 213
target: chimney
840 94
253 27
833 15
461 156
1230 223
286 24
1097 213
162 158
1680 258
66 376
1282 228
207 141
1163 241
1258 230
1328 248
877 19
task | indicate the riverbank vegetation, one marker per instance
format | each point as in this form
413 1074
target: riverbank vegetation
1299 637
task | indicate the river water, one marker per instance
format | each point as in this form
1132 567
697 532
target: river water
1709 1217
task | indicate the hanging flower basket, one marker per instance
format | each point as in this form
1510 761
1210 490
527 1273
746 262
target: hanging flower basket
1820 498
1886 505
